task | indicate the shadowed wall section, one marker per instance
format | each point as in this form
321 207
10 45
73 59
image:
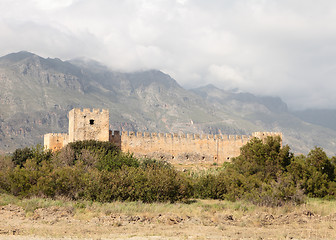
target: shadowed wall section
55 141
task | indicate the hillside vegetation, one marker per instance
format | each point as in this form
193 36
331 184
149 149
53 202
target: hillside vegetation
264 174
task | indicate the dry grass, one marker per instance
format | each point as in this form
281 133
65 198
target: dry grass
198 207
193 207
192 220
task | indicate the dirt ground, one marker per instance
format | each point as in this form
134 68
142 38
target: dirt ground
62 223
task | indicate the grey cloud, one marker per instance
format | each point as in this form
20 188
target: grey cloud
285 48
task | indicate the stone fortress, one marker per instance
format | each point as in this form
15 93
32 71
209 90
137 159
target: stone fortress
93 124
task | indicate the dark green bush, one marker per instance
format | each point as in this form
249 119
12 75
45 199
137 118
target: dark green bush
266 160
116 160
314 173
20 156
94 171
101 155
258 175
265 174
318 160
102 148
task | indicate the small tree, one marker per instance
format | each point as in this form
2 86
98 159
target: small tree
319 161
20 156
266 160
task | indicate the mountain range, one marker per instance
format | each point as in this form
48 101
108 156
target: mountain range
37 93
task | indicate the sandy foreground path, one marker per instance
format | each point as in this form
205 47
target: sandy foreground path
62 223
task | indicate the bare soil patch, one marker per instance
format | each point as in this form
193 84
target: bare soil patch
198 220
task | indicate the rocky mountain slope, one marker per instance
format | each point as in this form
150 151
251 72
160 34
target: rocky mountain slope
37 93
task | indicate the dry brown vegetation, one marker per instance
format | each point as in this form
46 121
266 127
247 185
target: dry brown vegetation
39 218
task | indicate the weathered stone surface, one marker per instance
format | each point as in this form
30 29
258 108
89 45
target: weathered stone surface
86 124
55 141
187 149
93 124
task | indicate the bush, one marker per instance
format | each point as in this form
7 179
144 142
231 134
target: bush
264 174
266 160
318 160
116 160
20 156
259 175
101 155
6 165
314 173
95 146
95 171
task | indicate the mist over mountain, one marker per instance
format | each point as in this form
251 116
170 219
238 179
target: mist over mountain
36 94
322 117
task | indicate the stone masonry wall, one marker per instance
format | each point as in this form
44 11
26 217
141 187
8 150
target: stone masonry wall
88 124
183 148
84 124
93 124
264 135
55 141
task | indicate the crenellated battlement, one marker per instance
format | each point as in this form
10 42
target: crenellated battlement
56 134
88 124
90 111
263 135
181 146
189 136
266 134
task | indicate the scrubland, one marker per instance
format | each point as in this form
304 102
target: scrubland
92 190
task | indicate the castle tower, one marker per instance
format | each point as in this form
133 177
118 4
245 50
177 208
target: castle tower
263 135
88 125
55 141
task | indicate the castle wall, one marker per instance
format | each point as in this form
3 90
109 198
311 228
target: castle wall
93 124
185 148
88 124
55 141
263 135
115 138
182 148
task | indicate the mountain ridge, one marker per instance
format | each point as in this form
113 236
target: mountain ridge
38 93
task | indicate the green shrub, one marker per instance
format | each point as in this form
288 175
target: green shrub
102 148
319 161
6 165
20 156
116 160
266 160
94 171
258 175
314 173
101 155
264 174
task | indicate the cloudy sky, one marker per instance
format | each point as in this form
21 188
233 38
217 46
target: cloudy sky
285 48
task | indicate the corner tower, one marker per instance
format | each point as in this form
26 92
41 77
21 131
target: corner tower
86 124
263 135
